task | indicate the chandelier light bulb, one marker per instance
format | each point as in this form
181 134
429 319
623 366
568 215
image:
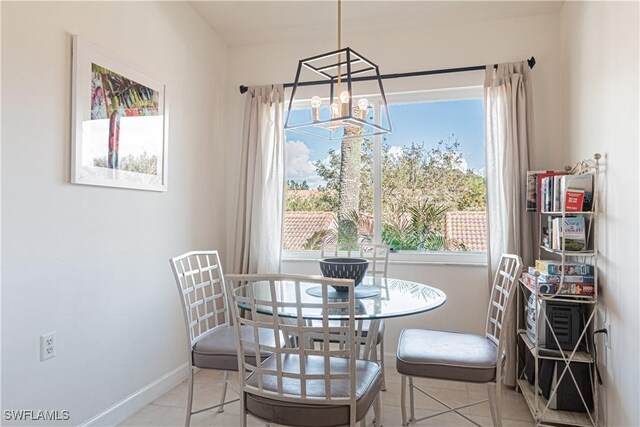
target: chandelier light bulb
316 102
315 108
363 104
335 110
344 97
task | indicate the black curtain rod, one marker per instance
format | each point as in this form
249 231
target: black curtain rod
531 62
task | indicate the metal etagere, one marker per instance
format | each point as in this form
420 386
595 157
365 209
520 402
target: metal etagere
584 349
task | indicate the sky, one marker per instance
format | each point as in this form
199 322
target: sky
427 123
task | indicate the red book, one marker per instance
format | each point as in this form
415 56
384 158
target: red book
573 200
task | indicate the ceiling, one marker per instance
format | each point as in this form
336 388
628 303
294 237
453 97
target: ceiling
247 22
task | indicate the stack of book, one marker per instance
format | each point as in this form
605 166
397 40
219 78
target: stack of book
565 233
555 191
577 280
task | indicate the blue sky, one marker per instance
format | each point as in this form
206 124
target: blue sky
427 122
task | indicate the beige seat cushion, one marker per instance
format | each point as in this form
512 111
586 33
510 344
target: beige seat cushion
446 355
219 349
368 385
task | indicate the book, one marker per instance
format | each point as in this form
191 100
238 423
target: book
555 267
556 199
572 233
541 188
556 278
532 191
573 200
582 183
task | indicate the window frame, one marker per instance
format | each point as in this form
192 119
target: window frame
407 257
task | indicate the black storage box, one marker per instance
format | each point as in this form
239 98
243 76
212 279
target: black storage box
567 397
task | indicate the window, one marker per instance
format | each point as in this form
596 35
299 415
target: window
420 188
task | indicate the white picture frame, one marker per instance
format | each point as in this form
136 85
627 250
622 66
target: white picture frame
119 122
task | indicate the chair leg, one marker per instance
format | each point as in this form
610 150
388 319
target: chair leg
243 411
187 421
412 403
224 392
384 382
403 400
495 403
377 421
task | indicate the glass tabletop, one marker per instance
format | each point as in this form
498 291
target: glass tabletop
396 298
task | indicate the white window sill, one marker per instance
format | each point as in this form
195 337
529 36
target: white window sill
471 259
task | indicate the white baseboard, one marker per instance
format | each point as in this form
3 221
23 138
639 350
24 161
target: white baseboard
131 404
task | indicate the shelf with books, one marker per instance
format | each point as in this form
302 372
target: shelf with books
568 253
561 297
557 299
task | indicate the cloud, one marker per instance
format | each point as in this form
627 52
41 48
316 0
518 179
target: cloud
299 167
395 151
463 165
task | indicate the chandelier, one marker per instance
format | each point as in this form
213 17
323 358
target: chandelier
344 112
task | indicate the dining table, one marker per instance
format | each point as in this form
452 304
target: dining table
376 298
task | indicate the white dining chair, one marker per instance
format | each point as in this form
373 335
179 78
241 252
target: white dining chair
455 356
378 257
300 385
211 337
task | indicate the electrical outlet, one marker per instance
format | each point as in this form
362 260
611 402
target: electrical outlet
47 346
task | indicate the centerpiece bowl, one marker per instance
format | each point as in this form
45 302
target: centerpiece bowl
344 268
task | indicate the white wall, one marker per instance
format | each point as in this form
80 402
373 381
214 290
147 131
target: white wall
415 49
91 263
600 60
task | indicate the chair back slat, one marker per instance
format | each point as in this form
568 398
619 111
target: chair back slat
377 255
509 270
286 366
202 292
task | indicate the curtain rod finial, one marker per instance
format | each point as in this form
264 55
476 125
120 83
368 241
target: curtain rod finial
243 89
531 62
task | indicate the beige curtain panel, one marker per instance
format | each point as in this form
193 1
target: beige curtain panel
257 242
508 136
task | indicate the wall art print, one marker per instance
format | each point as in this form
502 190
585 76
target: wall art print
120 123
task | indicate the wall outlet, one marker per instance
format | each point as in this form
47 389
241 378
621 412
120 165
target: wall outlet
47 346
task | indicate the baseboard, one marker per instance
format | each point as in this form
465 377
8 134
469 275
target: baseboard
131 404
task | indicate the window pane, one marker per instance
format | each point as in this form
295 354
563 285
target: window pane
433 185
320 204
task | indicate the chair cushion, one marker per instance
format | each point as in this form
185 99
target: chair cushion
368 386
219 348
365 327
446 355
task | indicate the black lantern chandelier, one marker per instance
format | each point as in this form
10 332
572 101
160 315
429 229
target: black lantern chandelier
345 112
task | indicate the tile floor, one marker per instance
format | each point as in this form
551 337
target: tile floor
169 410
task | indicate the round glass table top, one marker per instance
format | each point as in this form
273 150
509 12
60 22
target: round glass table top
396 298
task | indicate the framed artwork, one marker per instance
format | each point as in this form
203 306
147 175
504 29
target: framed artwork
119 129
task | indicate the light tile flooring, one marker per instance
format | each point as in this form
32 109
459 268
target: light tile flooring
169 410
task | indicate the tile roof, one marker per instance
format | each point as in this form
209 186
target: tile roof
466 228
300 226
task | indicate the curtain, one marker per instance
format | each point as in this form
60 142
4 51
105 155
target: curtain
257 241
508 136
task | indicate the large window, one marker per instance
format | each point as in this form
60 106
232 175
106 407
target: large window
420 188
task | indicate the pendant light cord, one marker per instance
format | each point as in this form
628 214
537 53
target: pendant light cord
339 47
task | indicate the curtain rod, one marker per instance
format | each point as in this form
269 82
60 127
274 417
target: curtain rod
531 62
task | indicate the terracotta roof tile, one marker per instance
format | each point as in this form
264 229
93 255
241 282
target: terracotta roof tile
466 228
300 226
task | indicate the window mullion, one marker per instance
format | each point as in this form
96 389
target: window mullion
377 180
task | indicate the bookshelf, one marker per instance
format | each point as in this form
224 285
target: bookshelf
564 295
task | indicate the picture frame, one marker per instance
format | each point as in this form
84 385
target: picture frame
119 122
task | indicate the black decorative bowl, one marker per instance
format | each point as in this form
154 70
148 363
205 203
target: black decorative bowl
344 268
